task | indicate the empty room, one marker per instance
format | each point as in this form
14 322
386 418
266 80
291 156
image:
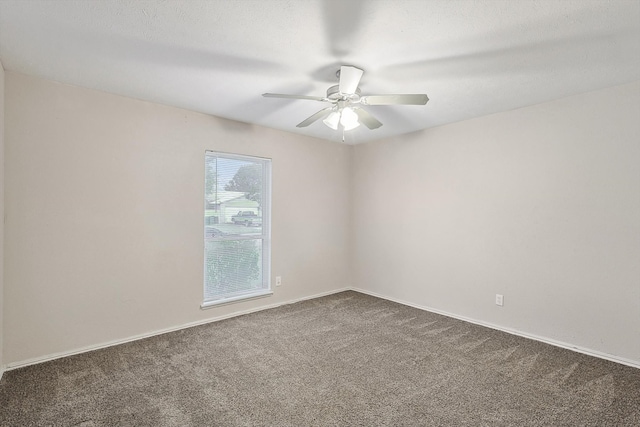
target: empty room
320 213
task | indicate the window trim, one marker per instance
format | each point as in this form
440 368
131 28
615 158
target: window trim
265 237
231 300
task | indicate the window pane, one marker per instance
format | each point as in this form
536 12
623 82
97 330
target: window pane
233 267
234 197
236 226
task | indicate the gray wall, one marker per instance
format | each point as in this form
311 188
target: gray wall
540 204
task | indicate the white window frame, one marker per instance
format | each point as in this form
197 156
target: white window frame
265 237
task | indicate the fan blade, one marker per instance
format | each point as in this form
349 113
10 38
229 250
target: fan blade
367 119
317 116
349 79
413 99
281 95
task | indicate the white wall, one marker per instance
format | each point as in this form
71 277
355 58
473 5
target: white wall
104 218
104 204
541 204
1 216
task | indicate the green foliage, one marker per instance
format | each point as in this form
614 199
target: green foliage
232 265
248 180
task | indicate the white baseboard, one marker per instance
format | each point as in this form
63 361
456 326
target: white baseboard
36 360
550 341
589 352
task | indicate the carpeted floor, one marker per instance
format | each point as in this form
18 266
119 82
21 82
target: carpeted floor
343 360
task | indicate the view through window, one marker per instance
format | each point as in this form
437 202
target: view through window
236 227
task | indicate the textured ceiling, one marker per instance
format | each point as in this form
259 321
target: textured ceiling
472 58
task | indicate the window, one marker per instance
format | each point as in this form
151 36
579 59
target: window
236 228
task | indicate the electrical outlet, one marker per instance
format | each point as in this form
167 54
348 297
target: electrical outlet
499 300
278 280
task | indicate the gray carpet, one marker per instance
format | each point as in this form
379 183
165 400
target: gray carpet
343 360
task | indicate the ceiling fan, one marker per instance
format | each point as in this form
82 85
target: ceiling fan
346 109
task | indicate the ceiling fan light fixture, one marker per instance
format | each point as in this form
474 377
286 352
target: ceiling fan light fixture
332 120
349 119
346 99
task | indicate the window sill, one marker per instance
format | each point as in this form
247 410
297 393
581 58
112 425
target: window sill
231 300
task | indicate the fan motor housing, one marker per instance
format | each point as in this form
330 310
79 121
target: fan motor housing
334 94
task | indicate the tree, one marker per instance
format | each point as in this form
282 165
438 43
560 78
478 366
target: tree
232 265
248 179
